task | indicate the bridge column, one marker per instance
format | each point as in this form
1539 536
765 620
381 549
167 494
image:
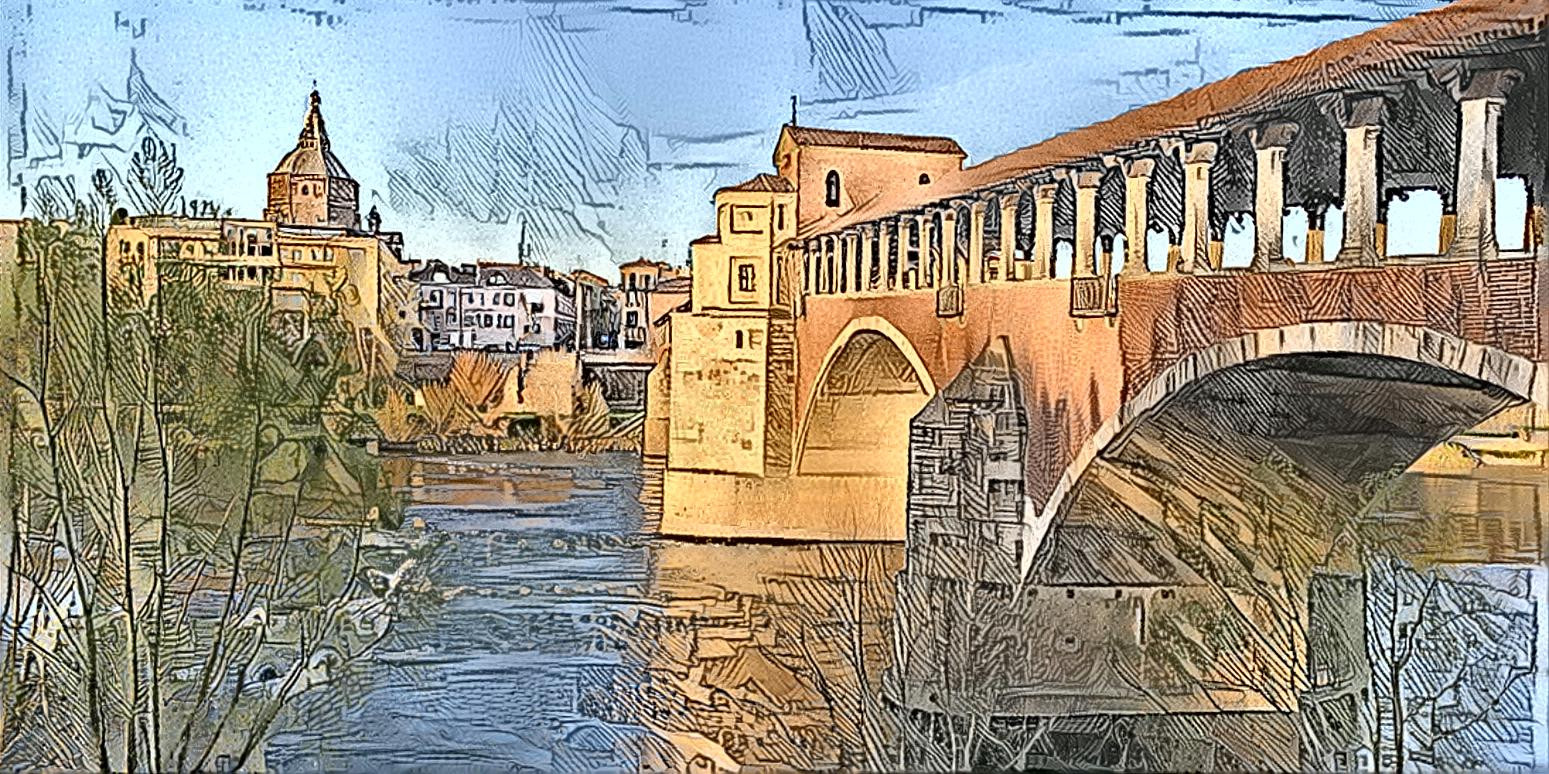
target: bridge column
884 249
869 255
852 262
1363 129
1480 107
1270 146
808 258
1197 160
949 267
829 264
901 248
1008 234
1086 224
1137 183
927 262
975 243
1043 228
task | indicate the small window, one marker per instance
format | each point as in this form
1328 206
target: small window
780 217
745 278
435 298
924 179
739 339
631 318
831 189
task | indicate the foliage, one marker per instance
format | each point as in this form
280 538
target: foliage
188 528
155 178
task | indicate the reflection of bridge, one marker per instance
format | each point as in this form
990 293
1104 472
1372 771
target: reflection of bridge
1176 368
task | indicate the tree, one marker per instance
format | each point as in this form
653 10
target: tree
155 178
167 452
1452 654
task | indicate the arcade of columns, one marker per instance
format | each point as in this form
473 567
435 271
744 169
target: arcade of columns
1442 131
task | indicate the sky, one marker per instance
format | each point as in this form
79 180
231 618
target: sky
595 131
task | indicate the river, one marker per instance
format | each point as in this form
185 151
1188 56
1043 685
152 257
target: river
568 639
564 636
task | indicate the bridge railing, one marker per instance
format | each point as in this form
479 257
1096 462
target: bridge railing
1312 145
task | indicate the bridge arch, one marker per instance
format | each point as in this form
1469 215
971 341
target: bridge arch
1456 384
855 421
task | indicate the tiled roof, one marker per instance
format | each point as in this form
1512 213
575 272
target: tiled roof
765 183
843 138
462 275
1382 55
647 262
514 275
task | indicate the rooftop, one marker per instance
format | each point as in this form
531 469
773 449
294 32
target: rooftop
844 138
1387 53
763 183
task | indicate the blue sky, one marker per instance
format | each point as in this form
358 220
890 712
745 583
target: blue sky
605 125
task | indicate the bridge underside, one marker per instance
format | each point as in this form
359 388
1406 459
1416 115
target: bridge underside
859 425
1251 478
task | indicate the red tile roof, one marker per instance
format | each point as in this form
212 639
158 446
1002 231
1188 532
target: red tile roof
1384 54
843 138
765 183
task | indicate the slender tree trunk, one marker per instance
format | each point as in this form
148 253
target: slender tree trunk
62 514
162 539
110 421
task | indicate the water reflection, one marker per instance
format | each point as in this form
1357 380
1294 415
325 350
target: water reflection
562 636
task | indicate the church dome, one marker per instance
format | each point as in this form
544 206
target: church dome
312 156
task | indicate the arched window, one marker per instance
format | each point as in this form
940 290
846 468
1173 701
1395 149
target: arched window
924 179
304 189
831 189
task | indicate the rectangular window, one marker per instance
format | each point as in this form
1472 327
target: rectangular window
489 320
745 278
631 318
435 298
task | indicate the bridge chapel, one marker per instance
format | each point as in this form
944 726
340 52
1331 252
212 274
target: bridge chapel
731 378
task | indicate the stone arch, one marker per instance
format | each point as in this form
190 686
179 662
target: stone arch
1516 379
870 384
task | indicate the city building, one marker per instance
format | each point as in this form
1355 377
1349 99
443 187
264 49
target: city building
308 244
438 289
597 312
638 279
503 307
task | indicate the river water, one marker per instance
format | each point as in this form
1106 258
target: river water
563 636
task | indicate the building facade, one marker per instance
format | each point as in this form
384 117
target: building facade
308 244
505 307
638 279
